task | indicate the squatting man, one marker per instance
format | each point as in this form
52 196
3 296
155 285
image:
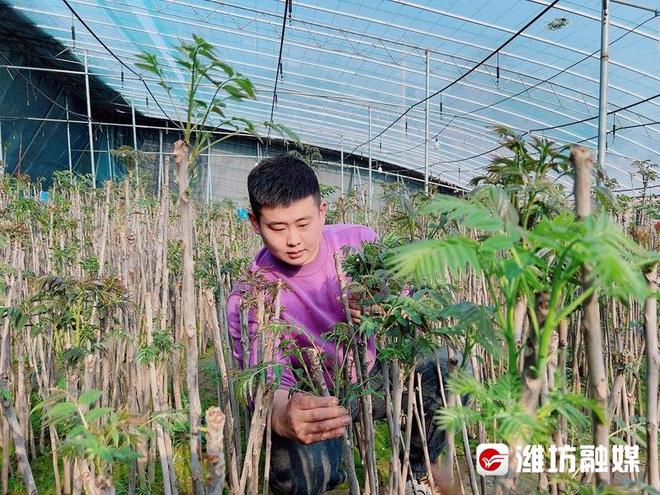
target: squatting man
289 215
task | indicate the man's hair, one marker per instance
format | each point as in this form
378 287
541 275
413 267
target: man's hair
279 181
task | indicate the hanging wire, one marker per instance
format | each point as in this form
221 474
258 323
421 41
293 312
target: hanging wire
128 67
288 9
36 88
526 89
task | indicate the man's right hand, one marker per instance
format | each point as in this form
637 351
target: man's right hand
308 418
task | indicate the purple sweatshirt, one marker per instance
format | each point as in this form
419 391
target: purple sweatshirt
311 306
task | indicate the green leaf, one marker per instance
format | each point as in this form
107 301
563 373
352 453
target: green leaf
607 199
465 213
145 431
248 124
115 436
97 413
147 68
73 355
462 384
146 355
200 104
555 232
227 68
88 397
246 86
613 257
184 63
150 63
62 410
500 242
218 109
245 381
429 261
284 132
497 201
455 417
235 92
476 321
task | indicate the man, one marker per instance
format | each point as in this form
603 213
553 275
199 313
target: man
289 215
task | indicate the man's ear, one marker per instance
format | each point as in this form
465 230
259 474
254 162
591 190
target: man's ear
255 223
323 208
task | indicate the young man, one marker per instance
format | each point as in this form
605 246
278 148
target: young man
289 215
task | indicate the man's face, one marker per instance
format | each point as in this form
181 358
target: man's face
292 233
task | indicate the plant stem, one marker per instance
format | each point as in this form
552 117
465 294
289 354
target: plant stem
583 163
181 156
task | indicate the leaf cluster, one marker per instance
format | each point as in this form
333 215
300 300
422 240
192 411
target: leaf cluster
99 434
201 67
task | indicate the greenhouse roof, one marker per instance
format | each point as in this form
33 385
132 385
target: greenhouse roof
529 65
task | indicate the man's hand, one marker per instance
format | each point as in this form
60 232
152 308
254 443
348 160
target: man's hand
357 311
308 418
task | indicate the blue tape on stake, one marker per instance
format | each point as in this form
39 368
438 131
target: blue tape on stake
242 213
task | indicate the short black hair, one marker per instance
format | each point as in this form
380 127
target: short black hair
279 181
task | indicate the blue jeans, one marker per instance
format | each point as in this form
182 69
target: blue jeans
297 469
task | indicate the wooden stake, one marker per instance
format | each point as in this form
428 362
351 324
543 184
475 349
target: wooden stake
215 452
187 215
652 381
583 163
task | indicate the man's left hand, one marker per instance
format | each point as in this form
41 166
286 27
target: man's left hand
357 310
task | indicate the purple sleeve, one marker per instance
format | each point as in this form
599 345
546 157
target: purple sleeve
233 320
369 235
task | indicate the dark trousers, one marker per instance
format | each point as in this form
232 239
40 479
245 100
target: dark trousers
298 469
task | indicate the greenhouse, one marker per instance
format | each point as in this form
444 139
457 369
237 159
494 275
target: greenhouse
347 247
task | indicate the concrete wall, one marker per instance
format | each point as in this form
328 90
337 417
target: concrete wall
223 175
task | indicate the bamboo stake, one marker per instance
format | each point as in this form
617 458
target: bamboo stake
262 400
105 486
450 447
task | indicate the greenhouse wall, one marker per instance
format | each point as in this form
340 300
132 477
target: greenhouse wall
231 161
